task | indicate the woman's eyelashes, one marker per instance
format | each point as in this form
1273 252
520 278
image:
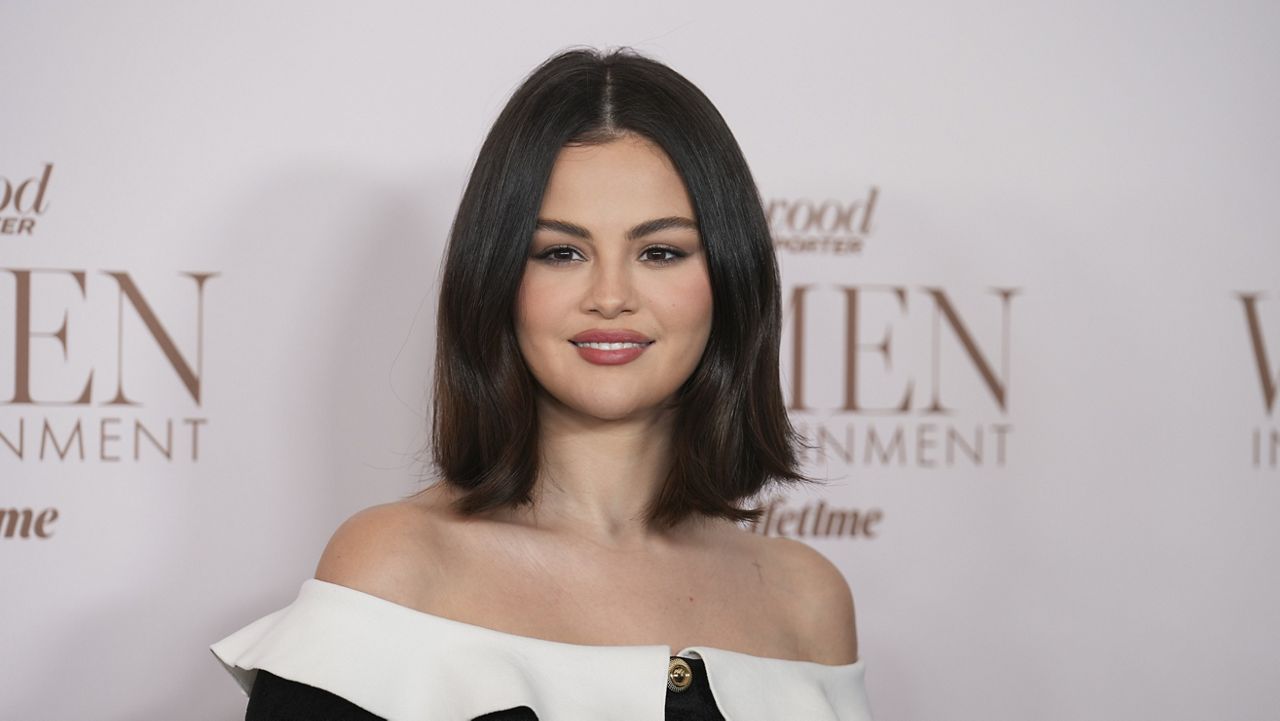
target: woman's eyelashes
653 255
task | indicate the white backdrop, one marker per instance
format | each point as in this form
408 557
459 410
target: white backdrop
1055 291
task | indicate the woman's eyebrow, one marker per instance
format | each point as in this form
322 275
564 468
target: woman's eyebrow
646 228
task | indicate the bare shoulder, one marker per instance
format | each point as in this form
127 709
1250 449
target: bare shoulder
823 608
383 550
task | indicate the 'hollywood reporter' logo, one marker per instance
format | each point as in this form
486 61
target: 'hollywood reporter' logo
831 227
21 201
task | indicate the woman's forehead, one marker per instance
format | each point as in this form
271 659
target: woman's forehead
620 183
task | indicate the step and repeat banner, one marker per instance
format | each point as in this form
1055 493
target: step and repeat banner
1031 267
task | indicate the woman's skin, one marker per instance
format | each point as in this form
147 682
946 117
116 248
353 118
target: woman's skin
580 566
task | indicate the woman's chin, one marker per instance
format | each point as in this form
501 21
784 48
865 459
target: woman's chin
615 409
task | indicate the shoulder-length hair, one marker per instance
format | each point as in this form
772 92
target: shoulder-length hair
733 437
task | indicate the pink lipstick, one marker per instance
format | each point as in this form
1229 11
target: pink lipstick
610 347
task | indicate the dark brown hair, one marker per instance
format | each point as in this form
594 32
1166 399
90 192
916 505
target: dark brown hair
733 437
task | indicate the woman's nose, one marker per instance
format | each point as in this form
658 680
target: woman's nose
611 289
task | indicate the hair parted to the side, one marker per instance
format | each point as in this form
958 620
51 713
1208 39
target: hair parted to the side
733 438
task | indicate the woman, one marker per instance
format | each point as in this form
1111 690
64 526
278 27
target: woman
606 396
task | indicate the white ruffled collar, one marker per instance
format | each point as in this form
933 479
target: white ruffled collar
407 665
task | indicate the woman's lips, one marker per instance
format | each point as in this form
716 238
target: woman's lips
611 355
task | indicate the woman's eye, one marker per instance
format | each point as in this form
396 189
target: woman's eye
672 255
558 255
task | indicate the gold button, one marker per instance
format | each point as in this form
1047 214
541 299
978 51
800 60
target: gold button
679 674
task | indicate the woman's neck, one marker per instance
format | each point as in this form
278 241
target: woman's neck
596 478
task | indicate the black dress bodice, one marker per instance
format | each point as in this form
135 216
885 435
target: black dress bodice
278 699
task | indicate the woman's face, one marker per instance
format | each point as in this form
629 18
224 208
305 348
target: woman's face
594 266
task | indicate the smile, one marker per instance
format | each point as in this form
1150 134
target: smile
610 346
609 354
